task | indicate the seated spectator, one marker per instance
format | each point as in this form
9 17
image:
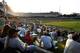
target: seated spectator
53 34
39 30
47 41
28 38
72 44
22 30
70 35
15 42
6 29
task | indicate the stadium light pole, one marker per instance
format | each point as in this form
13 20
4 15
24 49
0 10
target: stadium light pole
4 9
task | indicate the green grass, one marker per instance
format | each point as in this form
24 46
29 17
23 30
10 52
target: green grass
68 24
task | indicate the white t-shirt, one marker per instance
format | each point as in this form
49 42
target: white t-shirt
70 36
38 30
72 46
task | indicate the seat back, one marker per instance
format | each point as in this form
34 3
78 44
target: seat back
10 50
1 46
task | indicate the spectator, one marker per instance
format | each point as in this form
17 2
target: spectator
47 41
53 34
70 35
72 44
39 30
6 29
15 42
21 32
28 38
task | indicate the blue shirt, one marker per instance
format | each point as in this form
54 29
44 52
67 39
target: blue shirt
22 31
17 43
46 42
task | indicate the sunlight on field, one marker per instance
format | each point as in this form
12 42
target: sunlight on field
72 25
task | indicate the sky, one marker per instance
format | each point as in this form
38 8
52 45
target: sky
36 6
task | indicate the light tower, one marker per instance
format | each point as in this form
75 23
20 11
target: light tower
4 9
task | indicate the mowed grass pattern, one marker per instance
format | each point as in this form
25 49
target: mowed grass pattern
68 24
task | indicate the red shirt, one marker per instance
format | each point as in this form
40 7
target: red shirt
28 38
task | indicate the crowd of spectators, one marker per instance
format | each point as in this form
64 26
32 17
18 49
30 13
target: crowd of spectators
28 38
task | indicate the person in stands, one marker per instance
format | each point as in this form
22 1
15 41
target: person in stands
28 38
6 29
72 44
47 41
15 42
21 32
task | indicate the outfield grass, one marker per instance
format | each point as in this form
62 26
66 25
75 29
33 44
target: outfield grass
68 24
